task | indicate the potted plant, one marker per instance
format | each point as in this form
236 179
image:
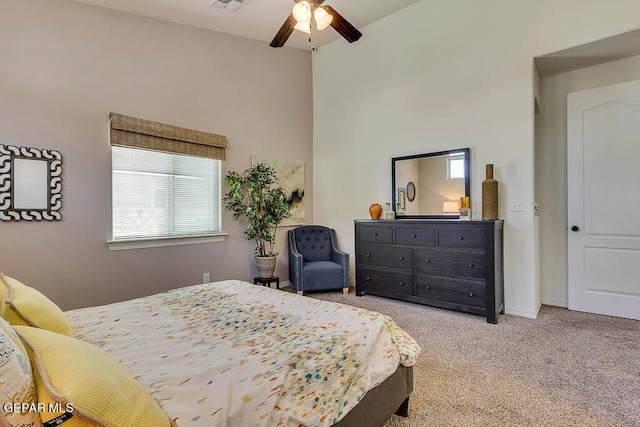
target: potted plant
254 196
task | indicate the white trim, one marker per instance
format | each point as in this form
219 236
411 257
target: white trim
531 314
158 242
555 302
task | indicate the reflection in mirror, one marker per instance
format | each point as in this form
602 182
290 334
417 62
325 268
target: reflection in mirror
438 180
30 184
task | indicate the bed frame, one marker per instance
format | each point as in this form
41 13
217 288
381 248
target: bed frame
380 403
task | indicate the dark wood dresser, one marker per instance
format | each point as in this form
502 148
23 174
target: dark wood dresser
445 263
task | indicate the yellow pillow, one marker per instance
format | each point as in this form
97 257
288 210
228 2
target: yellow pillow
88 380
17 388
27 306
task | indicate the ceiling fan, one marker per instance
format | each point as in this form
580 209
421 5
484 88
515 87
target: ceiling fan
301 16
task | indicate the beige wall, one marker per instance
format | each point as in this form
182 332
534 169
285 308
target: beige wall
64 66
551 166
439 75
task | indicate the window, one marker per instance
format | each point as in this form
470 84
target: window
158 194
455 166
166 184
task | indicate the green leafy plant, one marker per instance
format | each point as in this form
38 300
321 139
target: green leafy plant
253 195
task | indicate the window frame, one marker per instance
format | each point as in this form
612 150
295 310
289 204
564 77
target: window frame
134 133
455 157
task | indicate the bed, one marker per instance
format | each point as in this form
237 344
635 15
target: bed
232 353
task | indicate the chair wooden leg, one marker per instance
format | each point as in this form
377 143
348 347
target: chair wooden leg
345 291
299 292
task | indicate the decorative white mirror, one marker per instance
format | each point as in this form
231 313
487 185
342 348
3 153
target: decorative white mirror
30 184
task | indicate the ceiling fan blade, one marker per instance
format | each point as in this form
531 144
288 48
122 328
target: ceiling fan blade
342 26
285 31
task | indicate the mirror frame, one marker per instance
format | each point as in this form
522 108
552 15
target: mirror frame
8 210
467 180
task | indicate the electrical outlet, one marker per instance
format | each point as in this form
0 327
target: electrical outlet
206 277
517 205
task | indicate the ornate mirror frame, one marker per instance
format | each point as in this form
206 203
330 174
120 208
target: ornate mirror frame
30 184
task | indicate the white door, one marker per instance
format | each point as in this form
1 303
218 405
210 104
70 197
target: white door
603 180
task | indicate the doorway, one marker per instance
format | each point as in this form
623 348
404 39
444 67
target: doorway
558 77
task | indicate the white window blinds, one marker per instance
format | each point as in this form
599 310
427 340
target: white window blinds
158 194
166 179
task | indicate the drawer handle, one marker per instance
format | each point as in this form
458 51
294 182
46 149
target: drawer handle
368 255
460 238
470 265
368 278
413 236
401 283
470 294
375 234
427 260
427 287
401 258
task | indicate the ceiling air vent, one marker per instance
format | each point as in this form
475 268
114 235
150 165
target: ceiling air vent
229 4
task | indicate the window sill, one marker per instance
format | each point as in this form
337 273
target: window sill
158 242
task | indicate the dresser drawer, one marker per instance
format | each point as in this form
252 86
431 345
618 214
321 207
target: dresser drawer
415 236
450 263
386 256
467 237
454 291
385 281
376 234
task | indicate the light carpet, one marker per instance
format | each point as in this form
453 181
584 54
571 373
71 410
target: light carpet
564 368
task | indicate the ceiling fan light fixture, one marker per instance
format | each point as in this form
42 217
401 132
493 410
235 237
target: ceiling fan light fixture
323 19
302 11
304 27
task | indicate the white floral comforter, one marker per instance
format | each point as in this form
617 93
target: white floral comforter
232 353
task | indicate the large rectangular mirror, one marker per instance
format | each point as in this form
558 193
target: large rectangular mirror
430 185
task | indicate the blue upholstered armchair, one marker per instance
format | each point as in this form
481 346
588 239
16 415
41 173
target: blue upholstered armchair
315 261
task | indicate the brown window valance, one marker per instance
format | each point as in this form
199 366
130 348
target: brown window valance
132 132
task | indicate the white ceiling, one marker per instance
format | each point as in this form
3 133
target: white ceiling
257 19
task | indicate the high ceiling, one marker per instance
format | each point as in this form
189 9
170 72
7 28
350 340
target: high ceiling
256 19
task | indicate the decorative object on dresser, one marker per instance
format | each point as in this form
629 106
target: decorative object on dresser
465 203
444 263
489 196
465 209
375 210
465 215
387 212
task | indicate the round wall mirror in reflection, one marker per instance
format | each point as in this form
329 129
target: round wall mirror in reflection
411 191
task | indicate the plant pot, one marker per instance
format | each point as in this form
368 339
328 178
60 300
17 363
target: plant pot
266 265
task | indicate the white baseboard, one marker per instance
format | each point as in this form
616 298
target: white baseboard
555 302
531 314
